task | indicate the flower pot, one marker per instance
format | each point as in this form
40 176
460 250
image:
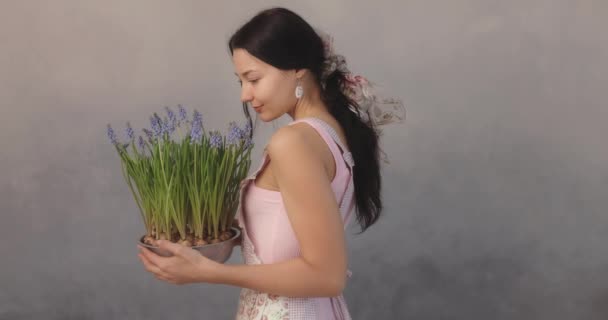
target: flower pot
219 252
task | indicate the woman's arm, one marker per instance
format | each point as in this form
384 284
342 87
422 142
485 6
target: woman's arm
291 278
315 218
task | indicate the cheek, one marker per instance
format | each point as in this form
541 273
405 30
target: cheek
267 92
284 93
274 93
263 93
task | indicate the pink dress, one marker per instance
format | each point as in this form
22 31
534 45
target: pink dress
269 238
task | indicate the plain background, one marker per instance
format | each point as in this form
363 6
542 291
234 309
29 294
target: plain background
495 197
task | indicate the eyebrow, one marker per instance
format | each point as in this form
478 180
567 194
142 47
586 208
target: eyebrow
244 73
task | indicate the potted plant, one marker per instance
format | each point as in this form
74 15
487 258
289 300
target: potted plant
185 181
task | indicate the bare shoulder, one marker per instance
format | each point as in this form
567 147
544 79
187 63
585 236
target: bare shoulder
300 147
297 137
289 139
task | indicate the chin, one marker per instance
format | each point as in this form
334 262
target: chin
266 118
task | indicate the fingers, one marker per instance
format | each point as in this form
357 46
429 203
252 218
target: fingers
158 265
149 265
163 278
155 270
148 259
151 256
175 248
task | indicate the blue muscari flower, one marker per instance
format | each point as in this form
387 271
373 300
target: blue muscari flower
130 133
182 113
112 135
156 125
142 143
197 116
216 140
170 113
172 118
172 126
196 132
247 130
248 143
149 134
235 134
197 120
166 127
246 135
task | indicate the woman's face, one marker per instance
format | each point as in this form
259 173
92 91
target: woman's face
267 89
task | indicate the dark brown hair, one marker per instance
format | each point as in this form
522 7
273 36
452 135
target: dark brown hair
284 40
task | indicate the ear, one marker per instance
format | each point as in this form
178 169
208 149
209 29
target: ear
301 73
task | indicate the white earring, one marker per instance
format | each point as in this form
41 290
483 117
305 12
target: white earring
299 90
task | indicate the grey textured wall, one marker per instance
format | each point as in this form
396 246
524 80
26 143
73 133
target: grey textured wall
496 196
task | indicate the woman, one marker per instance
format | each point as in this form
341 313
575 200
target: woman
295 206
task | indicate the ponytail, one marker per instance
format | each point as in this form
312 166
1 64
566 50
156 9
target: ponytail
362 139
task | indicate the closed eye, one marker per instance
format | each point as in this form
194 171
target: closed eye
252 81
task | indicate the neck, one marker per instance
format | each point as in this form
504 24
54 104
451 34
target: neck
311 106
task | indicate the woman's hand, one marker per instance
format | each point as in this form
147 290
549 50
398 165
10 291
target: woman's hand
185 266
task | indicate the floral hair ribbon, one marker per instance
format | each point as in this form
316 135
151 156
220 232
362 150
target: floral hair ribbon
373 108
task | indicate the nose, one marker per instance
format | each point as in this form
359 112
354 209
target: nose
246 93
